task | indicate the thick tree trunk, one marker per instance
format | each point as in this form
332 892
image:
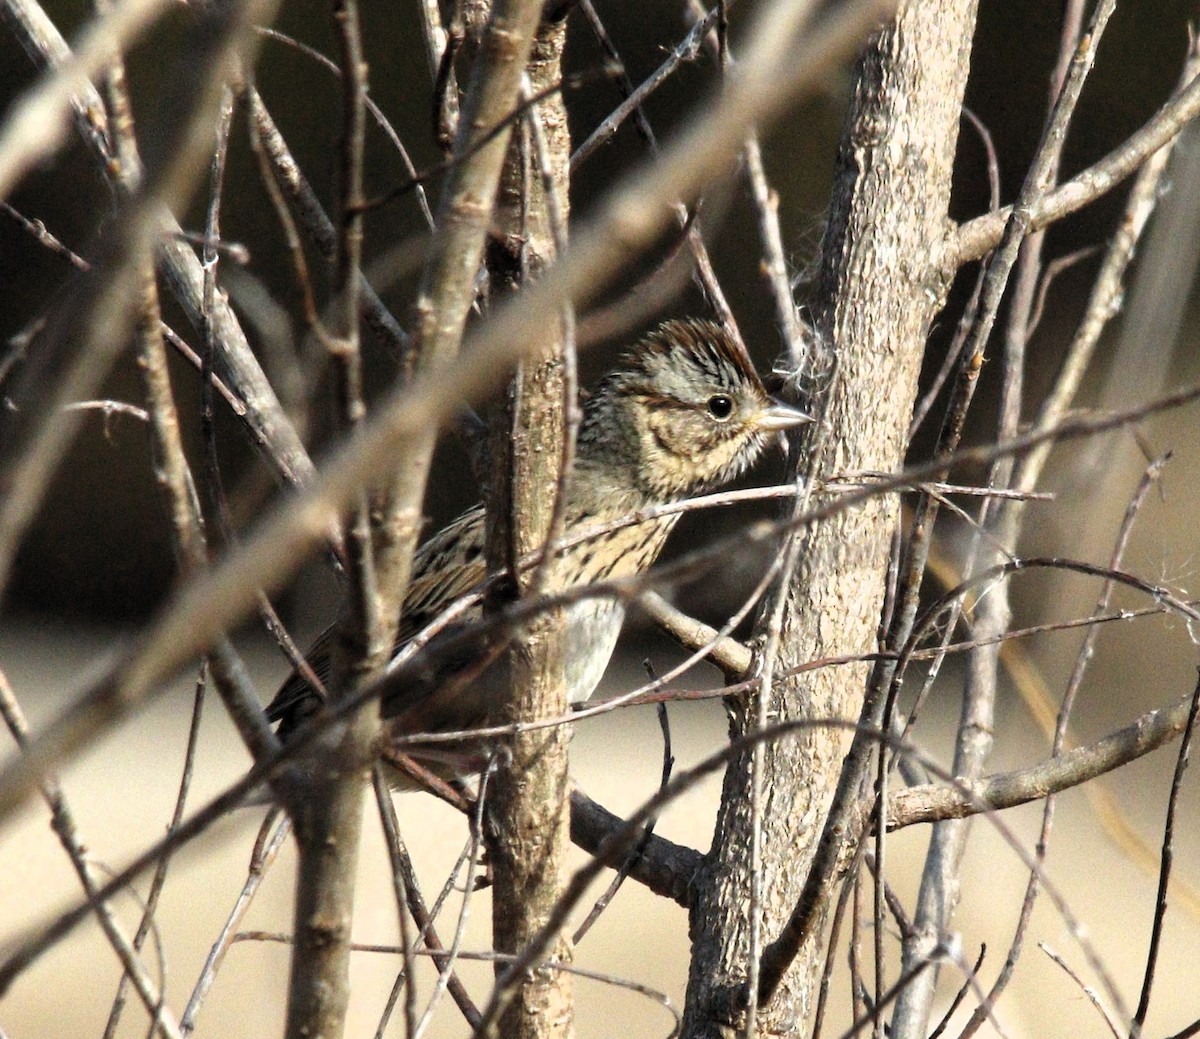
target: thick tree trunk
880 288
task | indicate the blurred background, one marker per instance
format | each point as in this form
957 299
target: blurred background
98 560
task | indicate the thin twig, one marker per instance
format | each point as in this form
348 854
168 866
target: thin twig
687 50
271 836
1059 741
315 221
381 120
158 882
42 235
475 844
875 1011
1107 288
959 996
770 628
408 975
766 203
1092 995
63 823
263 419
705 273
831 947
971 310
1164 874
1019 251
203 608
415 904
628 865
35 127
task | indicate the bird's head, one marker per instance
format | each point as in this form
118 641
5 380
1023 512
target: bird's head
684 409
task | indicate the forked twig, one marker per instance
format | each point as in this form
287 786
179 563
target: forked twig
271 836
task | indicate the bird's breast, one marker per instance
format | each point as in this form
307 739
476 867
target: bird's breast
608 554
592 627
593 624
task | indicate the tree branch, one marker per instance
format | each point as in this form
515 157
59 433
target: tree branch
937 801
976 238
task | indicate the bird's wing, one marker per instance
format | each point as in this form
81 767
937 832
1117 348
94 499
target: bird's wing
448 565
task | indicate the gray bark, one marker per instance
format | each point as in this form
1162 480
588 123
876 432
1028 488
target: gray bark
880 288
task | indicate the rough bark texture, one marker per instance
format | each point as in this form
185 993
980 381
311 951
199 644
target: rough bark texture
327 810
529 807
319 990
879 291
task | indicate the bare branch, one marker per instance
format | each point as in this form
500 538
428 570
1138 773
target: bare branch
1107 289
206 606
727 653
63 821
263 419
274 831
532 454
325 800
316 222
1114 1026
1071 768
1164 873
980 236
100 306
37 125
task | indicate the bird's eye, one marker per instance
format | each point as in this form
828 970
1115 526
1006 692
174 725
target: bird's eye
720 407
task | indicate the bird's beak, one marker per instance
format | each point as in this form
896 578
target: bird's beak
778 416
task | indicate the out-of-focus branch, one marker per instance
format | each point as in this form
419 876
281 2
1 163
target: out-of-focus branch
38 123
82 339
263 419
44 45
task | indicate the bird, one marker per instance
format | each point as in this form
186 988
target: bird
681 413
